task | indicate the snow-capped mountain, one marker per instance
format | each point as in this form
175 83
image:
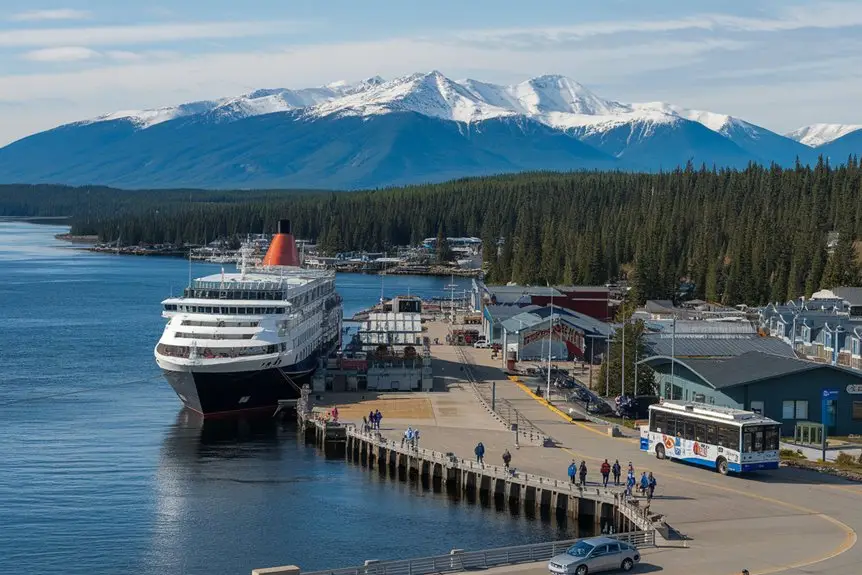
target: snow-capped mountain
819 134
420 127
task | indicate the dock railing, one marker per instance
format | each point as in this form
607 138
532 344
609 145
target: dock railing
502 409
631 509
458 560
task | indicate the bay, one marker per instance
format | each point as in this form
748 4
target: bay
103 472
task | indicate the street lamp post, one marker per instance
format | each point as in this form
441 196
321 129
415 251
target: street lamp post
550 339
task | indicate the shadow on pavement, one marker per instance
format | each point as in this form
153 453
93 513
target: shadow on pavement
646 568
798 476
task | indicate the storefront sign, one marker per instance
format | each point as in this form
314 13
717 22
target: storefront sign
854 388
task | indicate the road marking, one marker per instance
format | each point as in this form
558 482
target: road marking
850 534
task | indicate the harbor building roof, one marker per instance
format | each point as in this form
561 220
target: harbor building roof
751 367
659 344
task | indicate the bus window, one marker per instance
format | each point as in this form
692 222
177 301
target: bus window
771 438
658 423
711 434
671 425
700 431
688 430
747 441
728 436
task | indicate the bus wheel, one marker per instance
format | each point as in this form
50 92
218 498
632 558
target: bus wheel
721 465
659 451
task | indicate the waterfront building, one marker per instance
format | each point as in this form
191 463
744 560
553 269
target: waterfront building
396 350
593 301
786 389
572 335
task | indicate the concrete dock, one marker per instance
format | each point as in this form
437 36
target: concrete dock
785 521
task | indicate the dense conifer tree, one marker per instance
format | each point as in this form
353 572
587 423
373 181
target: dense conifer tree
746 236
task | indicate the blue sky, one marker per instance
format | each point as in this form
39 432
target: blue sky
778 64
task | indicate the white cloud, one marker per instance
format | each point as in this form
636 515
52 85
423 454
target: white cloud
58 14
61 54
143 34
124 56
824 15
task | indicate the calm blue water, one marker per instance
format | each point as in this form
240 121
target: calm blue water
102 472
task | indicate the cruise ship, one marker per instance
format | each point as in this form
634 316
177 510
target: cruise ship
242 341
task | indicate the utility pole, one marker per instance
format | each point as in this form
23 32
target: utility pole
550 336
672 354
623 385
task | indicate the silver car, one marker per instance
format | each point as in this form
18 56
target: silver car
593 555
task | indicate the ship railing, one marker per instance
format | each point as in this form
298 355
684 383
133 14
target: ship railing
458 560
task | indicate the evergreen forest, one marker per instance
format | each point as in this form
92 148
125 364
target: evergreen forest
738 236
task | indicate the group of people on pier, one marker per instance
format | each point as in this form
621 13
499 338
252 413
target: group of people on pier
646 485
411 438
372 421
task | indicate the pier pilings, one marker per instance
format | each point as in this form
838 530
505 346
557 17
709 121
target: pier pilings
607 508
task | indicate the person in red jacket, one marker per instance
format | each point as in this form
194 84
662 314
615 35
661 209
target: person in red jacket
606 471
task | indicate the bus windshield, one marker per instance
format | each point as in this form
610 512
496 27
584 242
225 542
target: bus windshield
759 438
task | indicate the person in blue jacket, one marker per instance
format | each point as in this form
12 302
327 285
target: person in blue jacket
480 453
573 471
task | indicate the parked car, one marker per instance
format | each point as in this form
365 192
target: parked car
598 407
481 344
593 555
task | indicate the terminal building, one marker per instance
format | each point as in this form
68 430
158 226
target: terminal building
570 335
786 389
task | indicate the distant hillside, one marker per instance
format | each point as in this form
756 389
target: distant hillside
415 129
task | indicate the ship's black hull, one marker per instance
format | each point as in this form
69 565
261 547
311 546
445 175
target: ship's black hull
217 394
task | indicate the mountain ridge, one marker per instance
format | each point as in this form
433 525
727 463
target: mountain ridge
355 135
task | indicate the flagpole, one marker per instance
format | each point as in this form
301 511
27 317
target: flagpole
550 336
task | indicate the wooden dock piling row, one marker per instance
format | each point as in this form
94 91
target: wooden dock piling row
607 507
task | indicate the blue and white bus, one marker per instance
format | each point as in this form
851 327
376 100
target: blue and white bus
720 438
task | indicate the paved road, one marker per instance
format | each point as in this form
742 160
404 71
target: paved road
786 521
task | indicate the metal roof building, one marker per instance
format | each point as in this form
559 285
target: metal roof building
786 389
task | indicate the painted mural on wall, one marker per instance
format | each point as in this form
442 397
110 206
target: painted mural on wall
570 337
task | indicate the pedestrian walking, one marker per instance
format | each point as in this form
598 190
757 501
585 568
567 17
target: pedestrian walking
416 439
630 483
644 483
407 437
364 424
378 417
651 483
371 419
507 458
616 469
582 471
606 471
480 453
334 413
573 471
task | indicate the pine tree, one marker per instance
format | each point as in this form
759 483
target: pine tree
444 254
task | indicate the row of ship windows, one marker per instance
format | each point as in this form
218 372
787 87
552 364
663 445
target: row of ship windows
224 310
214 335
208 353
219 323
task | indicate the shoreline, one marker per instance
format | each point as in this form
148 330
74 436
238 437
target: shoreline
76 239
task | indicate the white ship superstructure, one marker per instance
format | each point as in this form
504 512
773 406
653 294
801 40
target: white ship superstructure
238 341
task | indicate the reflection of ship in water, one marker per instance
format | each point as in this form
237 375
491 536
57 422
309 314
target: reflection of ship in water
193 438
216 477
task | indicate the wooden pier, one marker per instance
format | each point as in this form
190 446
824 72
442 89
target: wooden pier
609 508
